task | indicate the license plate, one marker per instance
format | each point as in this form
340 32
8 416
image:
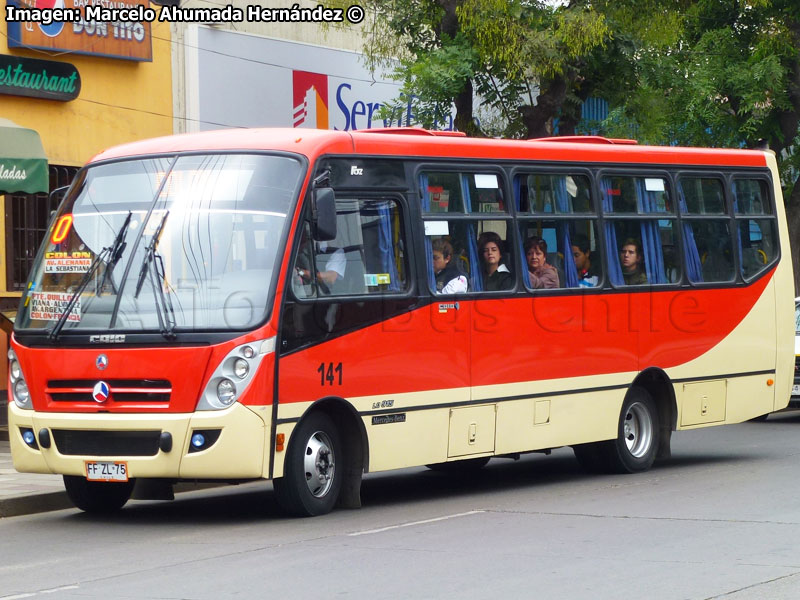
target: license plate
106 471
796 390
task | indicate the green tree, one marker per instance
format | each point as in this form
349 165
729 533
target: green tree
521 57
731 79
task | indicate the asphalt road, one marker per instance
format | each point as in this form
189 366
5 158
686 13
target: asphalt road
721 519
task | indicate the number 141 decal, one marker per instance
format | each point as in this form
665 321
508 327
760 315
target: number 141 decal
330 374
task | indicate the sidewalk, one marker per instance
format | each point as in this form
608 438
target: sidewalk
27 493
30 493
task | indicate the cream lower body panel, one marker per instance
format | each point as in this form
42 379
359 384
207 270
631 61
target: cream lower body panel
552 416
239 453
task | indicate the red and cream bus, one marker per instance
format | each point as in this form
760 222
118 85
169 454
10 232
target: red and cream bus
308 306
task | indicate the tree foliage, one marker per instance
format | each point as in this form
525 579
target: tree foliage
697 72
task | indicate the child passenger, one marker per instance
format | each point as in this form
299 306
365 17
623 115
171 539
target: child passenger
449 280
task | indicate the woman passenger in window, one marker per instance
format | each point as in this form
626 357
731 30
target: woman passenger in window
496 275
449 280
631 259
542 275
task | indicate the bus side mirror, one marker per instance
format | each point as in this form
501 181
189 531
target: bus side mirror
324 214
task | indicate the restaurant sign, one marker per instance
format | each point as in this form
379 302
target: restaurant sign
36 78
36 24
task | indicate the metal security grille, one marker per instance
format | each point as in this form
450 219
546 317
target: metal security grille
106 443
27 219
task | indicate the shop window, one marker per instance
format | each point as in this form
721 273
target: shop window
27 219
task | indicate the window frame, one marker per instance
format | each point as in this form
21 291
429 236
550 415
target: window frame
642 172
508 216
772 216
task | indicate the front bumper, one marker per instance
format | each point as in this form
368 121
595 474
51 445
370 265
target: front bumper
238 453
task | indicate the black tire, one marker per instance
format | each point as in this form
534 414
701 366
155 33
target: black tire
460 466
636 445
97 496
312 473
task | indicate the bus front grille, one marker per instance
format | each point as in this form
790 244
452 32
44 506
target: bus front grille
71 442
122 390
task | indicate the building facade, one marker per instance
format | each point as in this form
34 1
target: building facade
76 88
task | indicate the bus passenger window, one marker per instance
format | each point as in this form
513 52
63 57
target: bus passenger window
757 245
707 243
758 248
442 193
553 193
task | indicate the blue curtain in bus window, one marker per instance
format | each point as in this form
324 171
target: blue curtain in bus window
386 247
651 242
475 271
518 200
612 249
694 268
570 272
426 207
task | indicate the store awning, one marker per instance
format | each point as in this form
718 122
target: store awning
23 164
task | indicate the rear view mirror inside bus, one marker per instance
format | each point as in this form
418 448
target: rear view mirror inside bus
324 205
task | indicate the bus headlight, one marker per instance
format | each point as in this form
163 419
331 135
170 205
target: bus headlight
239 366
19 387
226 392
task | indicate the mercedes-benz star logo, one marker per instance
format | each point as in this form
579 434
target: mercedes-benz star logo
101 362
101 392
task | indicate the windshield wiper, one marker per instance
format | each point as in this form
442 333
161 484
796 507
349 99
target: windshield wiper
154 264
109 256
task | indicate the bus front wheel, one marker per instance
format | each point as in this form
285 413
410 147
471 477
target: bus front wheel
312 475
97 496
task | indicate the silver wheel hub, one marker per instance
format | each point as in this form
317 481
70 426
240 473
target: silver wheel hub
638 430
319 464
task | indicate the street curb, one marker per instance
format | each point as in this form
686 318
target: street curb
33 504
50 501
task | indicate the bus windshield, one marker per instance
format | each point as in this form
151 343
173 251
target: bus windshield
170 244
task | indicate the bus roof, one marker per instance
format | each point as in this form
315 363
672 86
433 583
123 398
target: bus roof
391 142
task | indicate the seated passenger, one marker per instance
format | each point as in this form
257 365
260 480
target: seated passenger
449 280
588 274
631 259
496 274
542 274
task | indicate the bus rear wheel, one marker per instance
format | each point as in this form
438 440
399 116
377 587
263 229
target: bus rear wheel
634 449
312 475
97 496
636 445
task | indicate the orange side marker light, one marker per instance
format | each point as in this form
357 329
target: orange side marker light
770 381
279 441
